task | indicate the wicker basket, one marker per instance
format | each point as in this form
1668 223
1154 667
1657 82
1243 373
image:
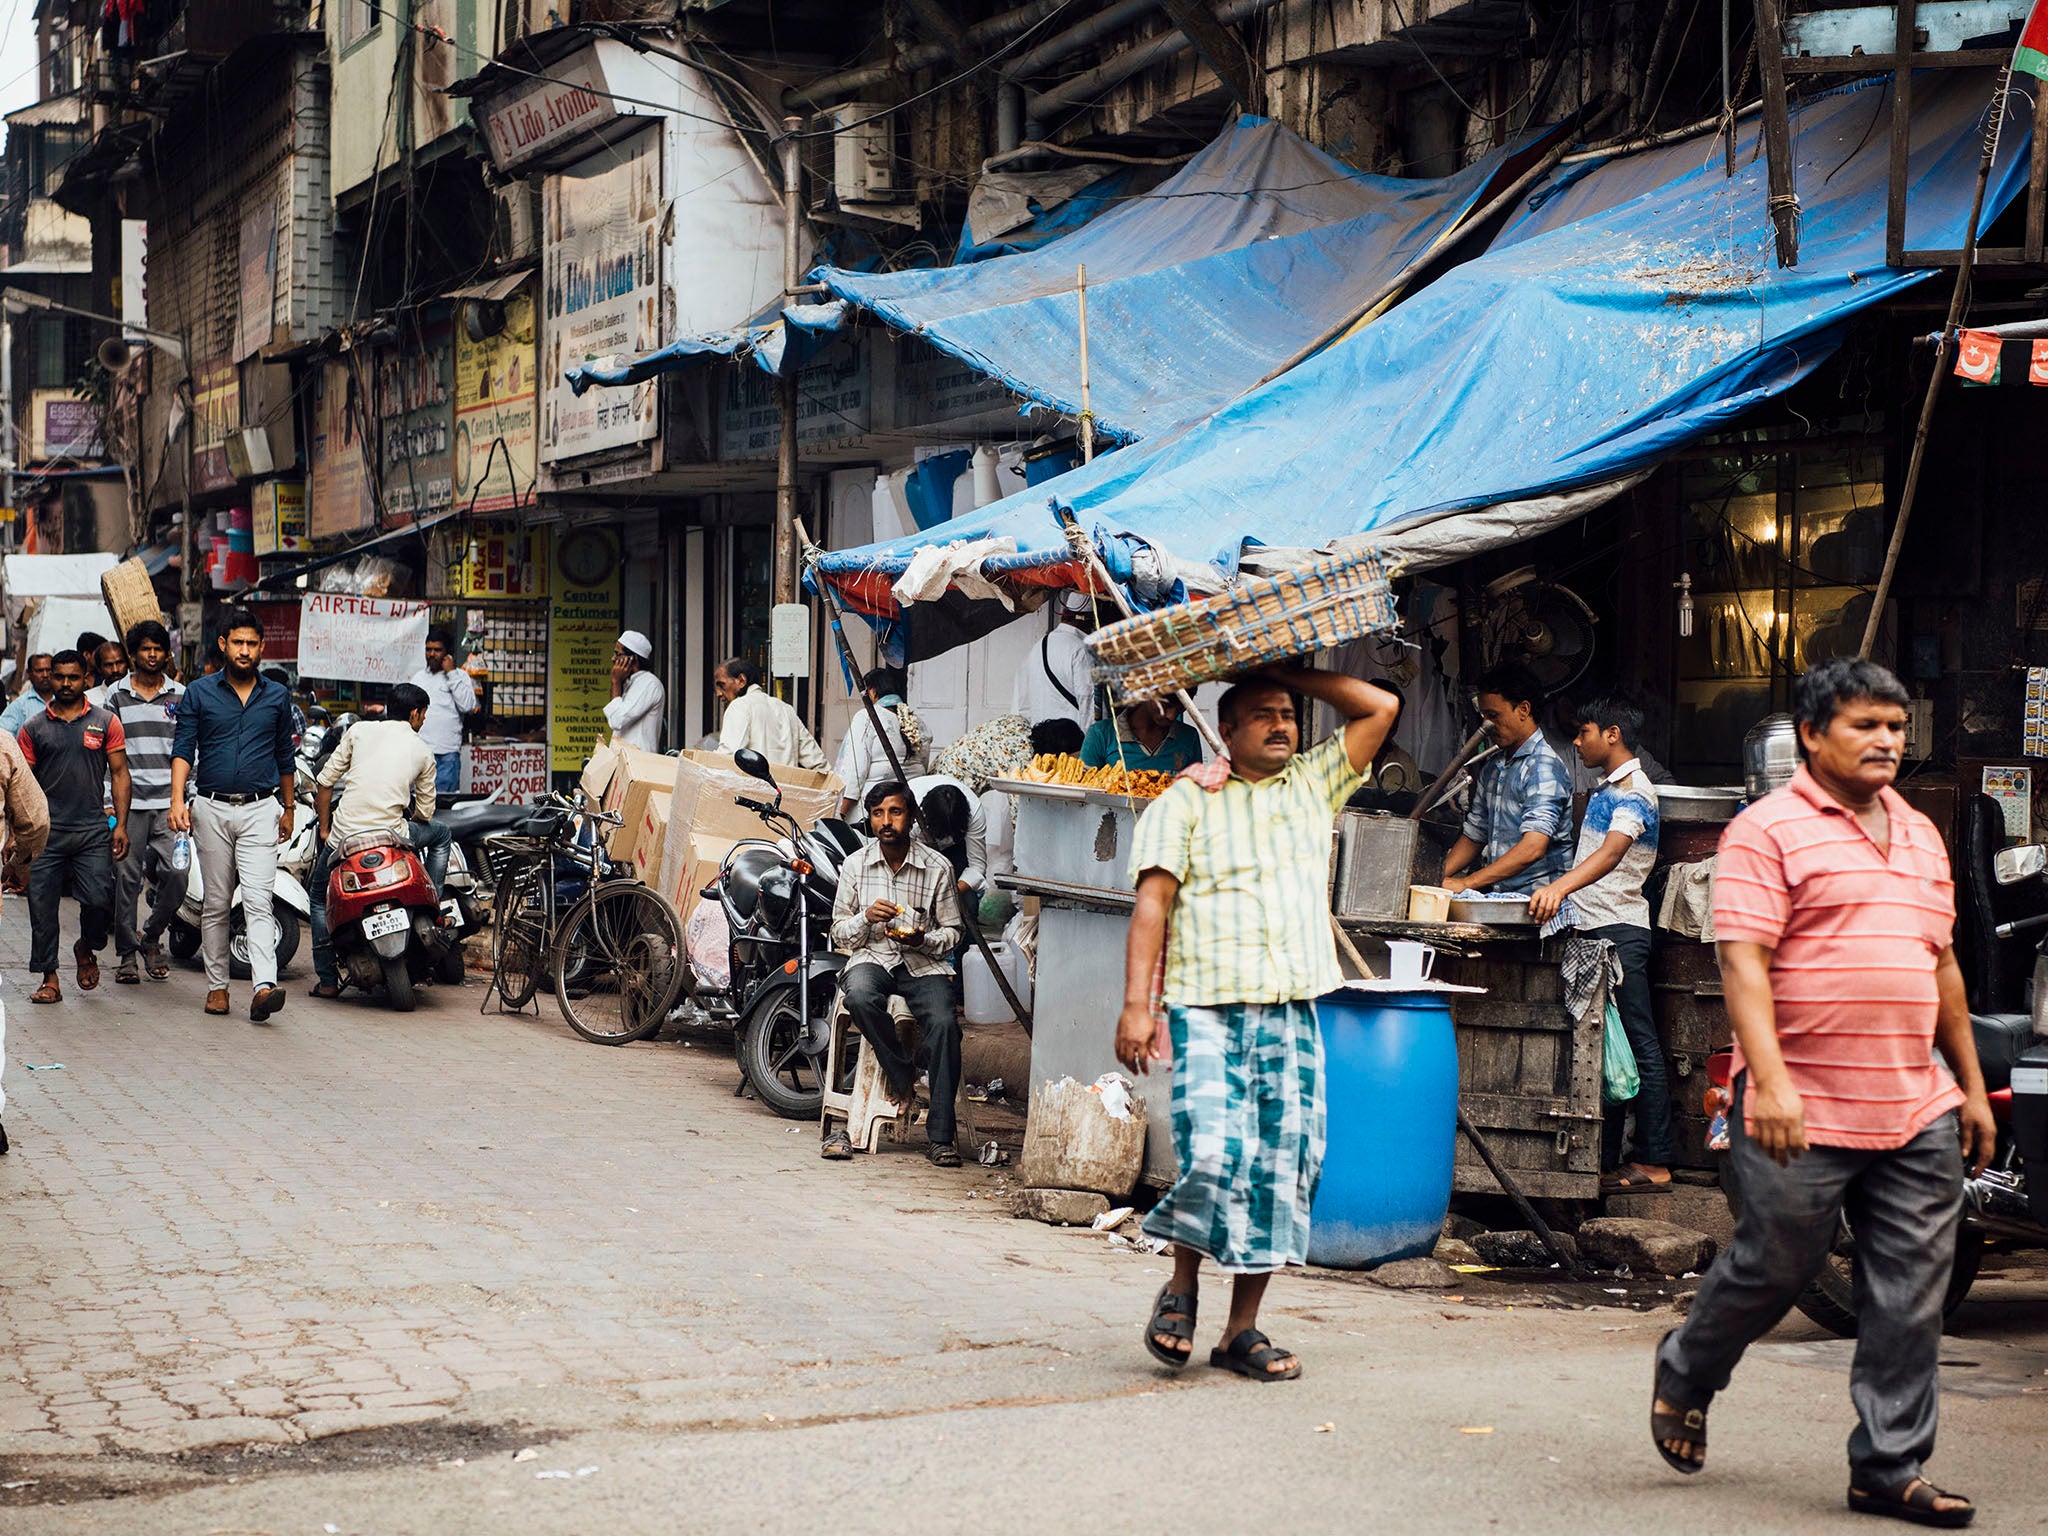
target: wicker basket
130 595
1260 622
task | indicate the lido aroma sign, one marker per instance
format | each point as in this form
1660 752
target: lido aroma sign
526 123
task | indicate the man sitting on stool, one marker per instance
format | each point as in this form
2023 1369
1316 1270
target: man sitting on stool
896 919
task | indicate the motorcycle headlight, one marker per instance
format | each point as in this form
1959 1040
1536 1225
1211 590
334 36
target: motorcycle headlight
778 898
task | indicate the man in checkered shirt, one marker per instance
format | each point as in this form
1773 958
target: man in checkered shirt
896 918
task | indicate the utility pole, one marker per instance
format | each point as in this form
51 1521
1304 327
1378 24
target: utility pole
785 383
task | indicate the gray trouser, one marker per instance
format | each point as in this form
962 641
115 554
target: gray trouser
1903 1206
148 832
236 845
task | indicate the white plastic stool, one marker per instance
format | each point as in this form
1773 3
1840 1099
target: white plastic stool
863 1109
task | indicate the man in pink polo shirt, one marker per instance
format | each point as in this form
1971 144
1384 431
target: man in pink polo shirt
1833 908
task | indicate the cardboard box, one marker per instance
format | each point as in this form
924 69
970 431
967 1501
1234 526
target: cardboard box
650 832
597 771
705 793
698 867
636 776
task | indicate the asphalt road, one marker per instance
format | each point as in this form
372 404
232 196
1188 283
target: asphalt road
345 1271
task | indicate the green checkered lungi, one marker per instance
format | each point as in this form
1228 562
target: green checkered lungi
1248 1129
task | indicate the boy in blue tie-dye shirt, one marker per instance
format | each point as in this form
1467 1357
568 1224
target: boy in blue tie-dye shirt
1602 896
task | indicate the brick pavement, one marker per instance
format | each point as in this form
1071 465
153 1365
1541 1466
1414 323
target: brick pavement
218 1231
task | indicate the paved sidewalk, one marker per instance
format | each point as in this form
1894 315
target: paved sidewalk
462 1234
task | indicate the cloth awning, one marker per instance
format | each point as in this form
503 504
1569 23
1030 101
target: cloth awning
1631 307
1197 289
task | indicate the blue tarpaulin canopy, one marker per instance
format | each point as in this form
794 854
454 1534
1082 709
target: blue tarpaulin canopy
1632 306
1196 290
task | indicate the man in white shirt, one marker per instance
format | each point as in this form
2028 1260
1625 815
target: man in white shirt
386 773
756 718
638 699
451 694
1057 678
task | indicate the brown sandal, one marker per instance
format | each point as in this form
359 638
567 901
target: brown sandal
48 992
88 967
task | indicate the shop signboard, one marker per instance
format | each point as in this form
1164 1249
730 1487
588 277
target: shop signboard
340 499
350 639
415 401
601 295
525 123
516 771
500 560
61 426
277 518
258 273
583 622
834 399
495 426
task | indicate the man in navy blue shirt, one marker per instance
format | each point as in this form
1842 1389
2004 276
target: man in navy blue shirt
235 730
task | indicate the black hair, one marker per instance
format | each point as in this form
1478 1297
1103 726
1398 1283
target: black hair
238 618
44 655
886 680
404 699
441 637
1615 710
90 642
276 674
71 658
883 791
1822 690
1235 695
745 672
148 630
1512 683
1056 736
946 814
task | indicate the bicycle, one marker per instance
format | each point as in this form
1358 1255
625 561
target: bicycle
615 959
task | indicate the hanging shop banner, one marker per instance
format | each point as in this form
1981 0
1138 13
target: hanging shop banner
415 389
526 123
517 768
349 639
277 518
601 295
61 426
340 500
499 559
258 272
216 414
495 426
582 624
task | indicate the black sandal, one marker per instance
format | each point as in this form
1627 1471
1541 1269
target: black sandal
1174 1316
1250 1354
1688 1424
943 1154
1914 1502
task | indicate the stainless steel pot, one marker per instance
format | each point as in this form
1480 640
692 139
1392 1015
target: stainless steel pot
1770 755
1692 802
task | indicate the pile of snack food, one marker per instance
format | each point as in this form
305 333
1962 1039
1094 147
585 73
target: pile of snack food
1110 778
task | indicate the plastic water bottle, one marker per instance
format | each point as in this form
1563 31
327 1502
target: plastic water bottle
181 852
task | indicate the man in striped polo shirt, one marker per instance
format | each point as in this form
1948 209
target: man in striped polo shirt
1232 866
146 700
1833 912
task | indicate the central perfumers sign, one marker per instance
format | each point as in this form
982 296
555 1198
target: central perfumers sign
601 296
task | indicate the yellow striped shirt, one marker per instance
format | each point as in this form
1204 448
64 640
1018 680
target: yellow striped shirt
1251 922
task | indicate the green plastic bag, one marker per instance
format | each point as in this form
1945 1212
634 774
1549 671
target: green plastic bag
1619 1079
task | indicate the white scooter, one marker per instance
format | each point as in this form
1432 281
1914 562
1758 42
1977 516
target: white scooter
289 903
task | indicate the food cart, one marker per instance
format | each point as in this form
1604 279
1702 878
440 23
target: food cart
1528 1072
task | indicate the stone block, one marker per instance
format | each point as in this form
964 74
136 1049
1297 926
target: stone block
1645 1247
1415 1275
1061 1207
1454 1250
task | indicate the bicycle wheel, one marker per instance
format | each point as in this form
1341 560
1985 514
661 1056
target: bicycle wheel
618 963
519 937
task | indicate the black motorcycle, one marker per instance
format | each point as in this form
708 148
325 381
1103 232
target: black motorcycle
782 970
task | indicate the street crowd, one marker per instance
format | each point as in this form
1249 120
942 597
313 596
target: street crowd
1833 912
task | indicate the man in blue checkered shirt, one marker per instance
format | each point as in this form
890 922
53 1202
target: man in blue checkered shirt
1517 834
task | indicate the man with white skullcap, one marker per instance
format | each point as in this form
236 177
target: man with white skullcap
638 699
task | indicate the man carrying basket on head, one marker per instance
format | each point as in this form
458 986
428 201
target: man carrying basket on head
1232 869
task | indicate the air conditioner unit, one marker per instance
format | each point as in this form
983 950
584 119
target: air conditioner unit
516 221
851 157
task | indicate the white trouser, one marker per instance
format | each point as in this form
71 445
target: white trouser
237 845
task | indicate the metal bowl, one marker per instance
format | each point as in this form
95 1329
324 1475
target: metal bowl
1693 802
1493 911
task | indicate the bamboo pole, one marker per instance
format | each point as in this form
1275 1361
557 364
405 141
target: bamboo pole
1087 409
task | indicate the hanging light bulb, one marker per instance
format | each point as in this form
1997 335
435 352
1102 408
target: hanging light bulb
1684 586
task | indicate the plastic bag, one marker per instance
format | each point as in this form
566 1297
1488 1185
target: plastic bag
1619 1079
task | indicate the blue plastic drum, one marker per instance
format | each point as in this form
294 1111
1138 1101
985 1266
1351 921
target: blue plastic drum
1391 1084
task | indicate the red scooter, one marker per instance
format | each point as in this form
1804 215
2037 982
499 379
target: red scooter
383 918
